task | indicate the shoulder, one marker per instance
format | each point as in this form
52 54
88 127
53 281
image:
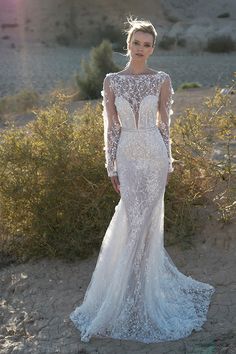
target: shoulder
165 81
109 76
108 79
164 76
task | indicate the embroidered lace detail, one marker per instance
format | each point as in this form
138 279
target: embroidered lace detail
134 88
136 292
165 112
112 139
135 102
111 128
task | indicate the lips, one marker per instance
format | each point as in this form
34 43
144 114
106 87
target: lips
139 54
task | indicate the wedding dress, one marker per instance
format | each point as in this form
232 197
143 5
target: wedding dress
136 292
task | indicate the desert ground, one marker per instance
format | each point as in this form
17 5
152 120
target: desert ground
38 296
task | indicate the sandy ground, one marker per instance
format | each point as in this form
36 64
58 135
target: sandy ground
38 296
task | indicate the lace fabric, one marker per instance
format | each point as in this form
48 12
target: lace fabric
111 127
133 90
165 111
136 292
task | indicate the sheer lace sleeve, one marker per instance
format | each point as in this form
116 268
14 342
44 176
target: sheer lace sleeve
111 127
164 113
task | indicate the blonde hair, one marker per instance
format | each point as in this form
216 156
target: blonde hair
135 25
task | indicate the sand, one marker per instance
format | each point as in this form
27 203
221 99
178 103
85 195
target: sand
38 296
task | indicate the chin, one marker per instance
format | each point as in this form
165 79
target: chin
138 58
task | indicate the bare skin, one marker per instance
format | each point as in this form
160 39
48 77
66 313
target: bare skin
140 48
116 184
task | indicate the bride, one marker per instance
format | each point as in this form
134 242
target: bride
136 292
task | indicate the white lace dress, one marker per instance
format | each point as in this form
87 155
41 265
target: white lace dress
136 292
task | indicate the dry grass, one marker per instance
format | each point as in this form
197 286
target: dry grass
19 103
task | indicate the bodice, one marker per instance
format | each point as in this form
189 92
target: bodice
136 98
135 102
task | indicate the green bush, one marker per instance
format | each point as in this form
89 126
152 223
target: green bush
220 44
188 85
93 71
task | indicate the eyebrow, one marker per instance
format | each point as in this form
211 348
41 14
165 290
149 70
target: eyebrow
144 42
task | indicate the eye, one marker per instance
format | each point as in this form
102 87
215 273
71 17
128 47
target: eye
147 45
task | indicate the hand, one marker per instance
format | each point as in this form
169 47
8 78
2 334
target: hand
116 184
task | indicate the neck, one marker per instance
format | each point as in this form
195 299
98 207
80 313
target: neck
137 68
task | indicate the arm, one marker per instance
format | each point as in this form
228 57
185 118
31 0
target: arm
111 127
164 113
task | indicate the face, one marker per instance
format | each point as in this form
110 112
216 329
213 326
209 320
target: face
140 46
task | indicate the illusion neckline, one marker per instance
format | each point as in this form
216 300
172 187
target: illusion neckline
137 75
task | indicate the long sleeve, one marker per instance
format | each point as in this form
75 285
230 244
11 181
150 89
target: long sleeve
164 113
112 127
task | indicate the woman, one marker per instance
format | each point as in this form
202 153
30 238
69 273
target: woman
136 292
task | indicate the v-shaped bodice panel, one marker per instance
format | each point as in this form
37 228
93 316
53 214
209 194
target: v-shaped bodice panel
145 117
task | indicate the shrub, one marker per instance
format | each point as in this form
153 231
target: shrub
181 42
188 85
220 44
202 181
19 103
63 40
94 71
55 197
224 15
166 42
112 34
